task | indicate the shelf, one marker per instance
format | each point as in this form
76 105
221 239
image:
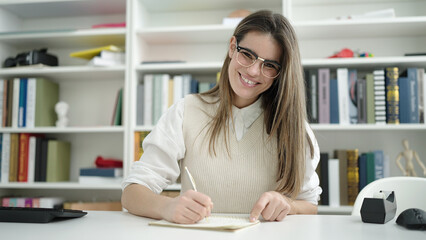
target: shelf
187 34
143 128
60 8
362 28
67 72
65 38
196 5
375 62
58 185
107 129
176 68
369 127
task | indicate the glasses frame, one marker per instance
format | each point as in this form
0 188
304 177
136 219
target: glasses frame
239 48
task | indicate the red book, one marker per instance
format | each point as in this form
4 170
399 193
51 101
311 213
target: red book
24 140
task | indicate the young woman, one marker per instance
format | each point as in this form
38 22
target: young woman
246 142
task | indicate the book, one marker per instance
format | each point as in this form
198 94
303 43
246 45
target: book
5 158
24 142
90 53
362 100
148 83
98 61
353 175
362 171
31 99
22 109
118 109
110 25
378 164
324 178
5 102
15 102
408 96
214 222
31 159
47 95
369 79
140 90
370 167
342 84
421 93
102 172
10 98
334 102
343 174
58 161
177 88
333 182
324 95
352 85
379 96
2 97
14 157
311 95
392 95
99 180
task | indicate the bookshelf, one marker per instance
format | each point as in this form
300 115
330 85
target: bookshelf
165 31
64 27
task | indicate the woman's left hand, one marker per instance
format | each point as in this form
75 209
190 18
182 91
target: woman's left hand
273 206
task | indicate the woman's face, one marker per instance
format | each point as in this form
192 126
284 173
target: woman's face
248 83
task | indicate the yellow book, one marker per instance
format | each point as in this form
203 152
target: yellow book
90 53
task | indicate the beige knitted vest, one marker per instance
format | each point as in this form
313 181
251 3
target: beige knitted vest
234 182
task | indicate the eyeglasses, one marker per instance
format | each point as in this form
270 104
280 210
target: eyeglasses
247 58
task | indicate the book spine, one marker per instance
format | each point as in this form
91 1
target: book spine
324 179
333 182
352 84
353 176
31 158
5 156
31 98
413 97
2 105
370 98
5 102
24 139
420 94
392 95
404 101
324 95
15 103
148 98
342 79
334 102
361 101
314 96
362 171
379 97
378 164
343 175
22 111
14 157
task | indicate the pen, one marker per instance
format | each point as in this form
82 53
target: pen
192 182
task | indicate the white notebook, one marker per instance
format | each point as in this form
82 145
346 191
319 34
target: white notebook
214 222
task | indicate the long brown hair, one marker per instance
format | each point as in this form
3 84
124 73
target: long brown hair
283 103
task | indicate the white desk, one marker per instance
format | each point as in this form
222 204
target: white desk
124 226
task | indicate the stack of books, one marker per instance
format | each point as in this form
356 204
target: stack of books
101 175
103 56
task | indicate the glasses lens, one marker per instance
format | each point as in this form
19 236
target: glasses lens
245 58
270 69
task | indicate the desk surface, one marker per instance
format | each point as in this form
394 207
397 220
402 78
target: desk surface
124 226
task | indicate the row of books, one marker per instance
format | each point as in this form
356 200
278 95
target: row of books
28 157
349 96
28 102
32 202
159 91
139 137
344 174
96 175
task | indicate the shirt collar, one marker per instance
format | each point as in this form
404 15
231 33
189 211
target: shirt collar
248 114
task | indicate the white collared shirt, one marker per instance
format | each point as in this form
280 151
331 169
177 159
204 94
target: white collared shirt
164 147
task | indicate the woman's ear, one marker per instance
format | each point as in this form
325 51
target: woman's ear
232 46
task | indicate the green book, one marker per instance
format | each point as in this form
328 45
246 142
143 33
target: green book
118 108
370 98
58 161
47 95
370 168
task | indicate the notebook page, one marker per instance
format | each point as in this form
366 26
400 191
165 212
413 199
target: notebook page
214 222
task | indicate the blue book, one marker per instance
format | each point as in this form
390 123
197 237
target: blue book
408 96
378 164
22 115
334 101
362 171
404 100
194 86
101 172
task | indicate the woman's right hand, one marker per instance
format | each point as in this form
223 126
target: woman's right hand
188 208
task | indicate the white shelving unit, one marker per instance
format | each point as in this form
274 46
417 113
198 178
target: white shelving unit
191 31
64 27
